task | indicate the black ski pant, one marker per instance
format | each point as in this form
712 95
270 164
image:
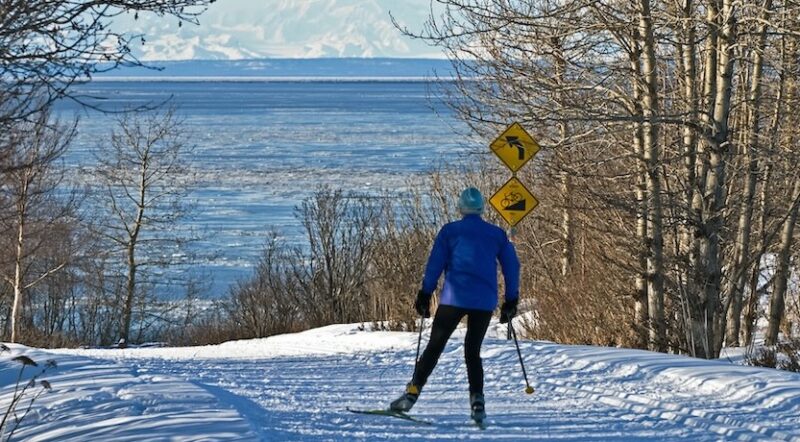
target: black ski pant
444 323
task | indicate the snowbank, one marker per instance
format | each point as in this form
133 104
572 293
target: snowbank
97 400
298 386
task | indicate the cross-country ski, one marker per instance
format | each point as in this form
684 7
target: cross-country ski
390 413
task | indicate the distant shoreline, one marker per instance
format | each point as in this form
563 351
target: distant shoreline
355 70
267 79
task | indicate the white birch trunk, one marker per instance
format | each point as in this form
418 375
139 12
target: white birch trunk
742 259
641 303
777 304
716 182
696 302
16 309
652 159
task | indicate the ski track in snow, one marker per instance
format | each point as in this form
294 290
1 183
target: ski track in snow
297 387
95 400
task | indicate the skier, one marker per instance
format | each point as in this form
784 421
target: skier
467 251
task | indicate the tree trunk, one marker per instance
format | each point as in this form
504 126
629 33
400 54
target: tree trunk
567 218
742 259
751 307
130 292
652 159
782 272
698 254
641 304
133 237
567 230
710 249
16 310
685 232
687 60
641 325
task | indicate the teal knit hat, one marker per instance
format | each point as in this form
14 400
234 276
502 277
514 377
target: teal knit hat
470 202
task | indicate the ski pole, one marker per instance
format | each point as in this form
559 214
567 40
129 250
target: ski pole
419 341
528 388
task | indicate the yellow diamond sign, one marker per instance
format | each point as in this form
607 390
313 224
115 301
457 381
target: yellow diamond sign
515 147
513 201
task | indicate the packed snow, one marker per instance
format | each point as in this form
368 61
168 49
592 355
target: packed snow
296 387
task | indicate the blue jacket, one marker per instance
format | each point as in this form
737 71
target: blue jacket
467 251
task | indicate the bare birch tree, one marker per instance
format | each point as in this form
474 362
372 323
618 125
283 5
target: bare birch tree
30 182
143 181
341 234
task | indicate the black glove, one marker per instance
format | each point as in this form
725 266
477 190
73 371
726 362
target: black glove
423 304
508 310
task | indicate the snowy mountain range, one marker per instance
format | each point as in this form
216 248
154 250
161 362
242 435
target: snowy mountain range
251 29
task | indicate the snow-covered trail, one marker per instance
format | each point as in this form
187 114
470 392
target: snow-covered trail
95 400
296 387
